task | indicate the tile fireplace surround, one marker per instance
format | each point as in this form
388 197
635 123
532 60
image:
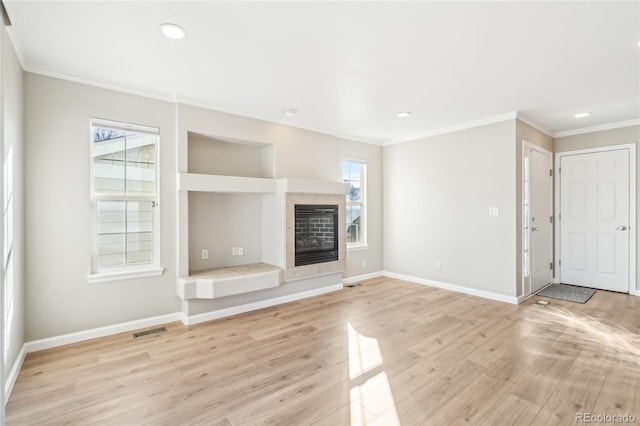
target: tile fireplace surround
293 272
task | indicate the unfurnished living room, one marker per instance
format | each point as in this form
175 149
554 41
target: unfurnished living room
319 213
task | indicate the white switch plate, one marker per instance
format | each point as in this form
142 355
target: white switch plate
494 211
438 265
205 254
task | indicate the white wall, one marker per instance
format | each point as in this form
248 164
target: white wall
437 193
12 119
623 135
58 210
210 156
218 222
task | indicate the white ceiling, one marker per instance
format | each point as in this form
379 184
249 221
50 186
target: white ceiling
348 67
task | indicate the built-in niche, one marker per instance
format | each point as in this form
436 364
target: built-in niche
229 157
218 223
226 218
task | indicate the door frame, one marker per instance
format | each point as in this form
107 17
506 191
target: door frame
528 145
631 147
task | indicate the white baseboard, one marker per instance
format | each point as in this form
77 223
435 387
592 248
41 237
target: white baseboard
13 374
634 292
235 310
52 342
453 287
358 278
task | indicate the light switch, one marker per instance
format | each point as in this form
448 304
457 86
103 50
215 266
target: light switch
494 211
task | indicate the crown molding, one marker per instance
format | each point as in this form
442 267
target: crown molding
455 128
179 100
109 86
598 128
217 108
535 125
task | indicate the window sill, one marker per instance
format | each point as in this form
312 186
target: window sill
125 275
359 247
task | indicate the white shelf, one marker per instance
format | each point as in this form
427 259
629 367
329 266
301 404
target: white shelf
228 281
249 185
225 184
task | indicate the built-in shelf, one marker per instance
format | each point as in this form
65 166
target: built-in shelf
225 184
228 281
249 185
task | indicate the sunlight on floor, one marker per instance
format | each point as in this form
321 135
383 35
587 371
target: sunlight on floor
595 333
374 391
364 353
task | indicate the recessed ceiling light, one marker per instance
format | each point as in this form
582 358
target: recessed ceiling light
289 112
403 114
173 31
582 114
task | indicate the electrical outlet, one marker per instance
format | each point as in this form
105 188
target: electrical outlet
364 263
240 251
205 254
438 265
237 251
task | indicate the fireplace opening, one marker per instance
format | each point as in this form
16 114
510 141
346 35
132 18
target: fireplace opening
316 233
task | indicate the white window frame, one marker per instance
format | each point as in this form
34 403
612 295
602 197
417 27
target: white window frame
362 244
130 271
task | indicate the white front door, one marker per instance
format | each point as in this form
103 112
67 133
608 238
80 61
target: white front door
594 220
540 223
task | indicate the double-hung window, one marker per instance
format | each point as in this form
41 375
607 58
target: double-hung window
124 195
354 172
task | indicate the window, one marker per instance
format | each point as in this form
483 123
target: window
124 196
354 172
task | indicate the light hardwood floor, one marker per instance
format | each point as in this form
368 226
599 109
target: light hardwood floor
385 352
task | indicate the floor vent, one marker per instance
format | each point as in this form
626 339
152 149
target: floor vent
148 332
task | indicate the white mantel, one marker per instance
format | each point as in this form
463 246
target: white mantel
309 186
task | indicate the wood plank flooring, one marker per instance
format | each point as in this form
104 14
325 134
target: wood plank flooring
383 353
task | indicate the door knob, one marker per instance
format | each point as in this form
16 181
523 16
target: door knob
535 228
621 228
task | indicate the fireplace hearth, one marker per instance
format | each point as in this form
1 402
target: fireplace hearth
316 234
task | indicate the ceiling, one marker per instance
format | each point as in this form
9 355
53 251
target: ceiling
349 67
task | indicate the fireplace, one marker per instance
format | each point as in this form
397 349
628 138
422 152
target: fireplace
316 234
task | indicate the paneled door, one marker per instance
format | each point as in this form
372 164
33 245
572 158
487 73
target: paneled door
594 220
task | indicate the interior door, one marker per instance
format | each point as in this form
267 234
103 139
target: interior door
541 217
594 220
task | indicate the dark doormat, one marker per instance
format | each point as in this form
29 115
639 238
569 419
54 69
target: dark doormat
567 292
